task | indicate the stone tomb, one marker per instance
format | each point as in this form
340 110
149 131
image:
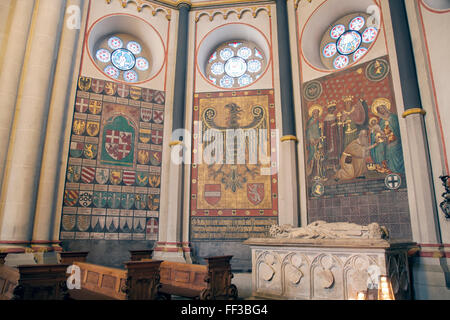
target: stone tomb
326 269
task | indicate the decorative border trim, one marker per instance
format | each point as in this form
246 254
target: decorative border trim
414 111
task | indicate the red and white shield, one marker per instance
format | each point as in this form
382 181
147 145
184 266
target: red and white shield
146 114
212 193
87 174
123 90
147 95
255 193
82 105
152 226
97 85
118 143
159 97
157 136
158 116
129 177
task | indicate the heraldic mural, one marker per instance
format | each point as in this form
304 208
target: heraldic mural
352 132
235 196
113 175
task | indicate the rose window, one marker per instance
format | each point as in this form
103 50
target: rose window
347 40
123 58
235 64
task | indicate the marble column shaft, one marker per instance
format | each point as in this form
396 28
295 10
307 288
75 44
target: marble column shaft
14 53
20 182
46 206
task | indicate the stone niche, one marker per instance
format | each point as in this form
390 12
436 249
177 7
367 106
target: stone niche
326 269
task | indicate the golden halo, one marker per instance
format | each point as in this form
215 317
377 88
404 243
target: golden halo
380 102
373 118
315 107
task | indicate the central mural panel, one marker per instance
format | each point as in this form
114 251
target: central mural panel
234 183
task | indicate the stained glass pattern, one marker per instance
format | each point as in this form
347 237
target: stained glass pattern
347 41
122 60
235 64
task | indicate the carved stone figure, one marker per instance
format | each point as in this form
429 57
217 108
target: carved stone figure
323 230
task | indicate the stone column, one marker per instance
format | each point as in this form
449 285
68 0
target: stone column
46 206
12 51
422 206
18 197
169 246
288 195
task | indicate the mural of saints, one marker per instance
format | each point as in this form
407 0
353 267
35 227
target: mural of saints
351 128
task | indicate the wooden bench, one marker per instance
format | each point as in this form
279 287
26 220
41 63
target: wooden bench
32 282
138 255
69 257
140 281
204 282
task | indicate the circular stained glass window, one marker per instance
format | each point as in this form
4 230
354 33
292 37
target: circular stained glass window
347 41
235 67
235 64
123 58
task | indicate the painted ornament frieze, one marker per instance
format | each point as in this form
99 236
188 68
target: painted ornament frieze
113 176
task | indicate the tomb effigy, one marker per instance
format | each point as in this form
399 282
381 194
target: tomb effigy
328 261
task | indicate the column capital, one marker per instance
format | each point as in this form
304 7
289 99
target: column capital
414 111
289 138
183 3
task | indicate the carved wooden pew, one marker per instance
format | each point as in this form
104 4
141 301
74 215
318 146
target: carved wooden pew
204 282
32 282
139 281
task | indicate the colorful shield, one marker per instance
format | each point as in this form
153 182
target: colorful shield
158 116
123 90
87 174
129 177
212 193
152 226
145 135
112 224
118 144
90 151
255 193
135 93
157 136
86 198
71 197
98 85
126 224
146 114
113 200
79 126
84 83
142 179
147 95
76 149
82 105
102 175
159 97
100 199
139 225
68 222
154 181
110 88
155 158
73 173
83 223
98 224
115 177
143 156
153 202
127 201
92 128
95 107
140 201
